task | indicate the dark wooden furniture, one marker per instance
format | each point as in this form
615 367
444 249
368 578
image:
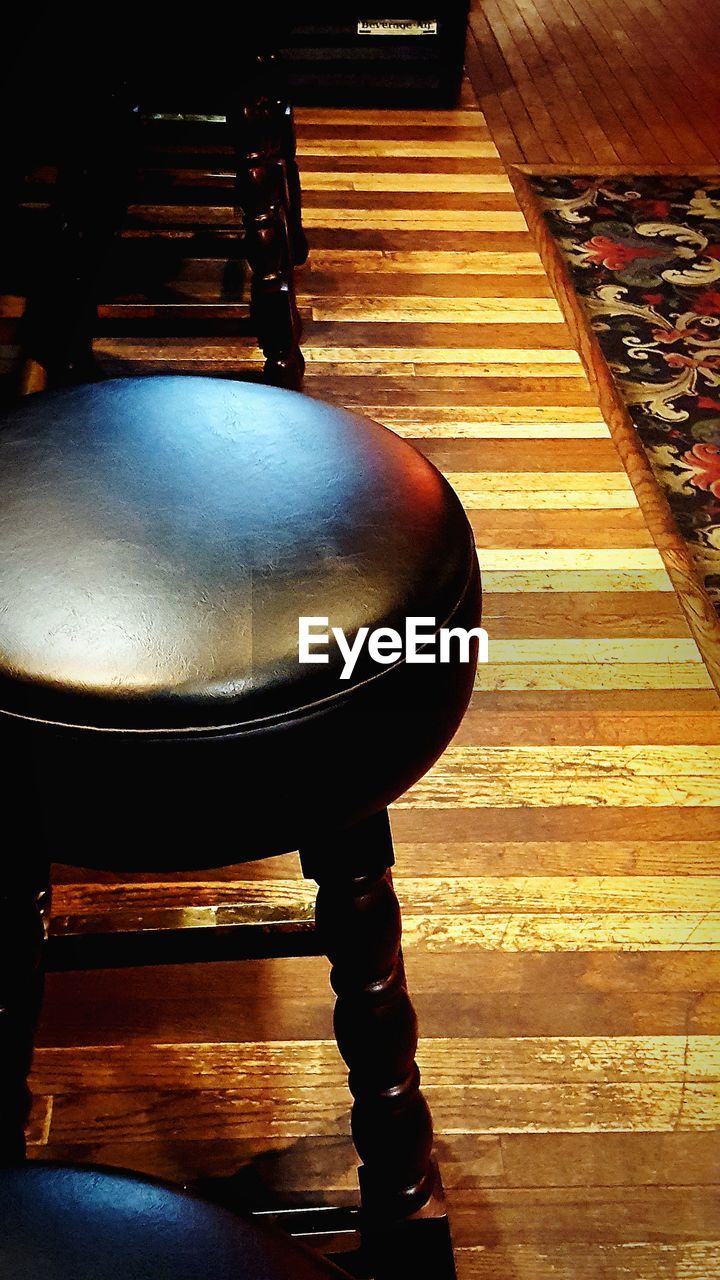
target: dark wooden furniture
61 1222
97 116
161 538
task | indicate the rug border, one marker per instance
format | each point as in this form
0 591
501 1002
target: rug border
696 604
616 170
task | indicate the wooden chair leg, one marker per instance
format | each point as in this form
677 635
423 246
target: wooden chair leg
24 900
359 927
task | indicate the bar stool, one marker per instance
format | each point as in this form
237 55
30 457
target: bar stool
61 1222
160 539
100 113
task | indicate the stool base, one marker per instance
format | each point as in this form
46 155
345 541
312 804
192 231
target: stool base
368 1250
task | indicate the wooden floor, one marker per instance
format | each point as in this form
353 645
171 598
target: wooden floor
600 83
558 868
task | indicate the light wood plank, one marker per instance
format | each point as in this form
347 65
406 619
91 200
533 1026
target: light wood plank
437 311
393 147
523 931
529 776
473 430
574 581
308 1109
596 651
553 362
564 560
501 677
531 1060
469 119
637 1260
398 219
449 262
407 183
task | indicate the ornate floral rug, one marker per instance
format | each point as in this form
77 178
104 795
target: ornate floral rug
644 254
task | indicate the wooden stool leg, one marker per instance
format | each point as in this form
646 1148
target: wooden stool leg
60 315
266 84
288 153
358 921
88 205
298 239
263 196
24 902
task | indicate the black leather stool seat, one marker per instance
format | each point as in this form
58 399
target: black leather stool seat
159 539
67 1223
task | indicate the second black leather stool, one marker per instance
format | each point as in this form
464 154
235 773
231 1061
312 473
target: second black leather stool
159 540
61 1222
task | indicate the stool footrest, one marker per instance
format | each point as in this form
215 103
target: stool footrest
203 945
417 1246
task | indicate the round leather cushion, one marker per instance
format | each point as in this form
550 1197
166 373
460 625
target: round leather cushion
159 540
66 1223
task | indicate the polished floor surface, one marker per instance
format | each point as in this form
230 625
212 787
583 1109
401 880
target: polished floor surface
625 83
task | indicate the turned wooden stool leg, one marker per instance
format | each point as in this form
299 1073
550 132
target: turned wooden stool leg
298 239
405 1232
262 196
24 901
358 922
288 152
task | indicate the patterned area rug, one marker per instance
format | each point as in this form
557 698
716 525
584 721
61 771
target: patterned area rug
644 254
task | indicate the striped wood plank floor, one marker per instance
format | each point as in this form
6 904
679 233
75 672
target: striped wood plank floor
558 868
